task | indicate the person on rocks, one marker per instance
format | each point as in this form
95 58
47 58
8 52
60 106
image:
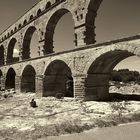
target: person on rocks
33 103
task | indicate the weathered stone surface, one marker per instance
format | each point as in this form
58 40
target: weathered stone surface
88 65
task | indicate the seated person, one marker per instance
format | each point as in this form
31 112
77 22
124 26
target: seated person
33 103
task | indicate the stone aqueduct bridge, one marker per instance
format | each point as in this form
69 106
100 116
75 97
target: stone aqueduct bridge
88 65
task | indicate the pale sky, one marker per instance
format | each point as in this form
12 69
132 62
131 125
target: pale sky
116 19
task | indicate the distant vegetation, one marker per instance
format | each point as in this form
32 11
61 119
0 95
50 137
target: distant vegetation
125 76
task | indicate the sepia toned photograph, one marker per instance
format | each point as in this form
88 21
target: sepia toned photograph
69 69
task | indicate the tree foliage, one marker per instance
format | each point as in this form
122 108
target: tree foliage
125 75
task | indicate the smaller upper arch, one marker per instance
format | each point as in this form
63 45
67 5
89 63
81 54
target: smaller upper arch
19 26
25 22
15 29
48 5
31 17
8 34
39 12
11 32
5 37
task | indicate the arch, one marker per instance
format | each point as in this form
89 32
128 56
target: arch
10 51
5 37
1 55
19 26
8 34
26 42
25 22
51 25
90 21
39 12
48 5
31 17
58 79
10 79
11 32
101 68
28 79
15 29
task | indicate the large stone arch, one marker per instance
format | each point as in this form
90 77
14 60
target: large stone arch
27 41
28 79
58 79
1 55
50 29
90 21
10 51
10 79
100 68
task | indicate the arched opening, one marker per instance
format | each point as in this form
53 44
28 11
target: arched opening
1 74
15 29
28 79
115 19
58 79
58 37
90 21
125 77
13 51
30 44
25 22
48 5
97 82
39 12
5 37
10 79
19 26
11 32
31 17
8 35
1 55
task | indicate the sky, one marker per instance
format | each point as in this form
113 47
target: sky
115 19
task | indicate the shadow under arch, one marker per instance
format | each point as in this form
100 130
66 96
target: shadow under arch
1 74
98 74
1 55
10 51
26 42
50 29
10 79
58 79
28 79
